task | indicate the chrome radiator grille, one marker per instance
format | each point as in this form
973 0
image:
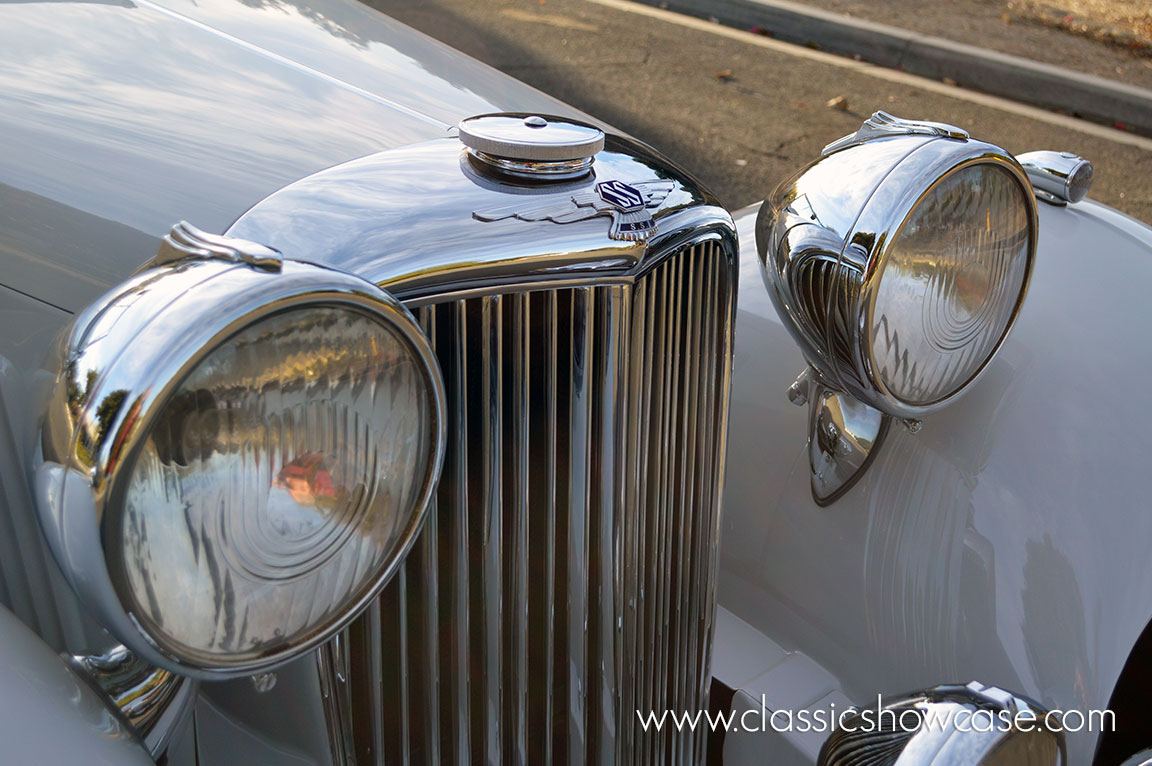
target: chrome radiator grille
566 576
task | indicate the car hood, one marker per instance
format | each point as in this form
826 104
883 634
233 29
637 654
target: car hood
120 117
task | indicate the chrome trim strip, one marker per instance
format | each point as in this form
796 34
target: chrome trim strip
336 698
426 576
516 288
461 539
551 317
518 608
492 523
404 678
576 575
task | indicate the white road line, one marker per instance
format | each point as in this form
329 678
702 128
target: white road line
903 78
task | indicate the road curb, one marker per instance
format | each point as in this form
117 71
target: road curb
1052 87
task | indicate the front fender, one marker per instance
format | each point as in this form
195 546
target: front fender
1007 541
48 714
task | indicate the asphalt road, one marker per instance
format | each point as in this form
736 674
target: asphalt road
740 111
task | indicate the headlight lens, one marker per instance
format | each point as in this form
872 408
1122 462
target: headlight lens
274 485
949 284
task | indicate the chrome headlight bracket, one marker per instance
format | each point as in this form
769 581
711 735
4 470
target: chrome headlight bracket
844 435
156 703
824 240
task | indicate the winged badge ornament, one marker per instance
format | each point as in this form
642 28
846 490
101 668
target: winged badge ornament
627 204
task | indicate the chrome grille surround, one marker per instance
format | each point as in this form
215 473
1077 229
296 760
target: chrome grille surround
566 576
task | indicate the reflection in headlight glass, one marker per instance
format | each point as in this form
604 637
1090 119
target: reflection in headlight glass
276 483
949 284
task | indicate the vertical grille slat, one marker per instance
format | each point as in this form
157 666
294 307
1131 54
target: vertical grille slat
456 708
491 585
576 577
540 748
662 450
517 607
687 470
611 375
634 417
566 576
653 369
710 479
426 612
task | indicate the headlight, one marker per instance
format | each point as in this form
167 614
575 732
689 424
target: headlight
899 261
251 455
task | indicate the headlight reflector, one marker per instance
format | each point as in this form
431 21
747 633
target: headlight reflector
950 284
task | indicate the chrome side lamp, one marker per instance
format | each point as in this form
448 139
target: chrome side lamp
899 261
951 725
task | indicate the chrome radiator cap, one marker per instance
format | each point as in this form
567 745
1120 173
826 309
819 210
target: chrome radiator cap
531 137
530 146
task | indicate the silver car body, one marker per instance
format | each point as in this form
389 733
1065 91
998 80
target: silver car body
1006 541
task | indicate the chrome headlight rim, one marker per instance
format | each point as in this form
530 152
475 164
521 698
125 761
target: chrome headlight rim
209 302
955 158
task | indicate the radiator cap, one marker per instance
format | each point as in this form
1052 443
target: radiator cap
532 145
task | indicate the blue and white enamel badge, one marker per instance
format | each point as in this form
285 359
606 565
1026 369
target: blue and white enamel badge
628 204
